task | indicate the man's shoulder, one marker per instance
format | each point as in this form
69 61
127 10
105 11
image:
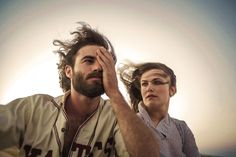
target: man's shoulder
39 100
105 108
31 99
39 97
105 104
43 104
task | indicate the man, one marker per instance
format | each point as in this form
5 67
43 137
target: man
79 123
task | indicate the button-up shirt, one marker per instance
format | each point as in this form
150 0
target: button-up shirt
175 137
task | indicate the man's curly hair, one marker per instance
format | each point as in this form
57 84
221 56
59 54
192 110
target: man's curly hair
84 35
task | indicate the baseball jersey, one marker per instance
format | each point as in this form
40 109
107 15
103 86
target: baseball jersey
36 126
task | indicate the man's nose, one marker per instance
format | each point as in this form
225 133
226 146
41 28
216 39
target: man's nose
97 67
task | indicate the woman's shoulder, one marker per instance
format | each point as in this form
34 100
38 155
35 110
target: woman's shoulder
181 125
178 122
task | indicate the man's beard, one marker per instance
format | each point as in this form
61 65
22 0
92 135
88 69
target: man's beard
90 90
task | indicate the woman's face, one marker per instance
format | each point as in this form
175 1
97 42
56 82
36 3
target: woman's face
156 90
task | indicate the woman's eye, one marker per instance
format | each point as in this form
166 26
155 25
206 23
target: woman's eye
157 82
144 84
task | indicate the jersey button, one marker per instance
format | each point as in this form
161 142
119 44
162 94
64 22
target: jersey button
63 129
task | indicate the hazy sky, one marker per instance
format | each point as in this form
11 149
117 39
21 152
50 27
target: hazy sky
197 39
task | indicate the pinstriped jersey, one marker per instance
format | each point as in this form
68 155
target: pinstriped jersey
36 126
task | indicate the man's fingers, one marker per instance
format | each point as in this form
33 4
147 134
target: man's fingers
100 59
105 55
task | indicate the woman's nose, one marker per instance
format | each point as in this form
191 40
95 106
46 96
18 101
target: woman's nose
149 87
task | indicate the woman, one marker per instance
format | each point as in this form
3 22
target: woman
150 86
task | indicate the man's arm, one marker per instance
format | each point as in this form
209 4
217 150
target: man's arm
12 123
139 139
9 152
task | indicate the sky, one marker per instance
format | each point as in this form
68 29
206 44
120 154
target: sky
197 39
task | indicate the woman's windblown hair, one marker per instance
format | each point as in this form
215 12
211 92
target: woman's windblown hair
130 74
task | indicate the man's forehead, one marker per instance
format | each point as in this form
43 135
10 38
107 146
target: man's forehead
83 53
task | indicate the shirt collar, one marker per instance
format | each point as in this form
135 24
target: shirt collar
163 125
60 100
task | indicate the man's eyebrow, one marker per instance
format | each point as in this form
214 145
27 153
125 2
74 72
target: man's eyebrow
88 57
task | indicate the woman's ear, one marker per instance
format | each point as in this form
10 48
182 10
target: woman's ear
68 71
173 90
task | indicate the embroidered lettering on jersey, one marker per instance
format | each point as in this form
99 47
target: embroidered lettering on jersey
108 145
79 148
107 148
33 152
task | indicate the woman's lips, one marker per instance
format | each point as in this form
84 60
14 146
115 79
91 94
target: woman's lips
151 96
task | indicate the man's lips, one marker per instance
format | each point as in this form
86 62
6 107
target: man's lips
95 78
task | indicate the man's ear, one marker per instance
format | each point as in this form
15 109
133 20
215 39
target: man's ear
173 90
68 71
